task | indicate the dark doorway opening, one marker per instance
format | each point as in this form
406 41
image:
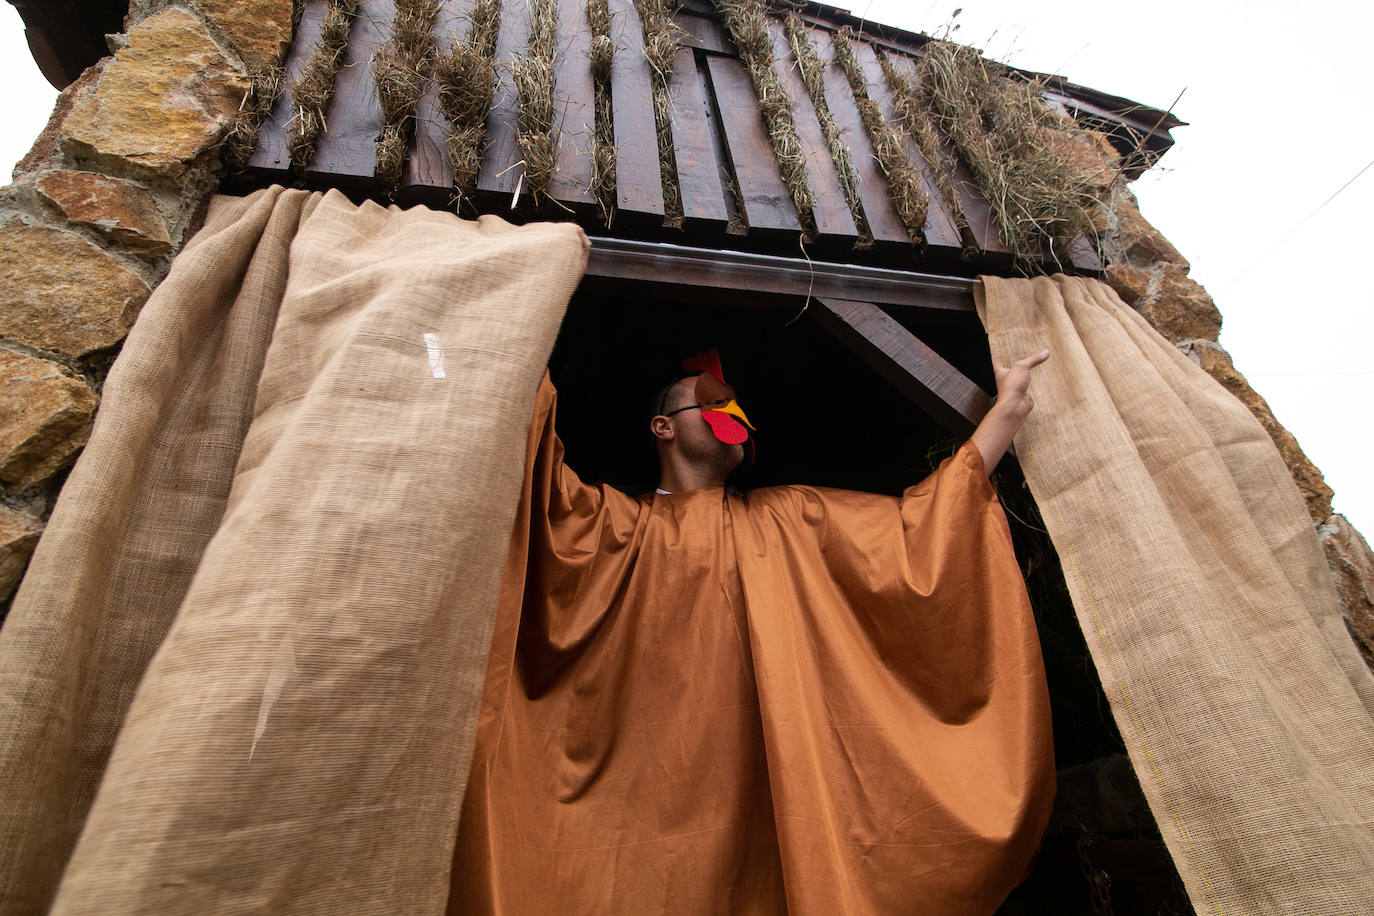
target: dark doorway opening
823 416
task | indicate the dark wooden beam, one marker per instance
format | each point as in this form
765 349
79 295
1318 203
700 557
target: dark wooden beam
751 275
899 356
67 36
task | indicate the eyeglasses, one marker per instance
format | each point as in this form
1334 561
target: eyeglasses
709 405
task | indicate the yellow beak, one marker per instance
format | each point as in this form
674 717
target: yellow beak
733 409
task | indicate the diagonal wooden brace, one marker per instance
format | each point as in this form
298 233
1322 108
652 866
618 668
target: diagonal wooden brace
899 356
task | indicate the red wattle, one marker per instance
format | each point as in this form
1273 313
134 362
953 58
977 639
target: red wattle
725 427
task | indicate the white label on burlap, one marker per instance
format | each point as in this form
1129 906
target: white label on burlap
436 355
283 667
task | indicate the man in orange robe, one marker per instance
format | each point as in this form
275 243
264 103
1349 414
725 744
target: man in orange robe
797 700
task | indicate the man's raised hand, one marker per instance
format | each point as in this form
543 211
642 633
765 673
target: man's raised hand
1013 385
1014 402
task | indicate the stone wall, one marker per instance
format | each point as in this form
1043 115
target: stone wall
92 218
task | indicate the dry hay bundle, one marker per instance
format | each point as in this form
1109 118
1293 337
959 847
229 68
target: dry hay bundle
264 89
1022 154
536 133
400 69
812 74
311 93
903 181
465 73
913 108
747 22
603 129
662 38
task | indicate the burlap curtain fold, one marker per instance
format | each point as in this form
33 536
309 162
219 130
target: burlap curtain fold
244 666
1206 603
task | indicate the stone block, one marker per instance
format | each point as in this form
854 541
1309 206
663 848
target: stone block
18 537
259 30
163 101
1131 283
59 292
46 144
1352 568
123 211
1142 242
45 418
1179 308
1217 363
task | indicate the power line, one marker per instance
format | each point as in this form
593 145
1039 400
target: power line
1291 232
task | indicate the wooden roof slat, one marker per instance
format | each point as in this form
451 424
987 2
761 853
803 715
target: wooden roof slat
727 170
940 228
906 361
766 201
500 172
831 210
347 147
704 33
638 180
270 160
429 166
883 220
572 104
698 170
986 234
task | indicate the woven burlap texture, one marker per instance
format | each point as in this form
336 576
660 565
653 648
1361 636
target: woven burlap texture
1205 601
245 663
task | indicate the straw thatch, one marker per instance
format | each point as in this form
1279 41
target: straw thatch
603 129
913 108
1025 157
536 132
747 22
662 38
465 72
265 88
903 181
311 93
812 74
400 69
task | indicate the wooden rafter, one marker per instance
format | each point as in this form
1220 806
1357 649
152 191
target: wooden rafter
912 367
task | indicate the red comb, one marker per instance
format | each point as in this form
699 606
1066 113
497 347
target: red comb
705 362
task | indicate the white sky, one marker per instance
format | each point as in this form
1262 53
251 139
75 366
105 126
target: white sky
1279 122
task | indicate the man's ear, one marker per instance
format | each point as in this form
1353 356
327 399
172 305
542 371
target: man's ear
662 428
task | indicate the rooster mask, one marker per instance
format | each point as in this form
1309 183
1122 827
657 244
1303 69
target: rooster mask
716 399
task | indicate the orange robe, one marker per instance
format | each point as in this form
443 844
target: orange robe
796 700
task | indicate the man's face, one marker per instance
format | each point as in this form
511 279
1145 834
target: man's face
695 436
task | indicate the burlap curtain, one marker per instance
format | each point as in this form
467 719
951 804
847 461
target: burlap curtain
244 665
1206 603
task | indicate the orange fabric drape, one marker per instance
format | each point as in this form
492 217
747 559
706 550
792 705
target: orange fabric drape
800 700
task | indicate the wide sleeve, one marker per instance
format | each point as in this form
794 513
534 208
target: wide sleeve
571 541
902 688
